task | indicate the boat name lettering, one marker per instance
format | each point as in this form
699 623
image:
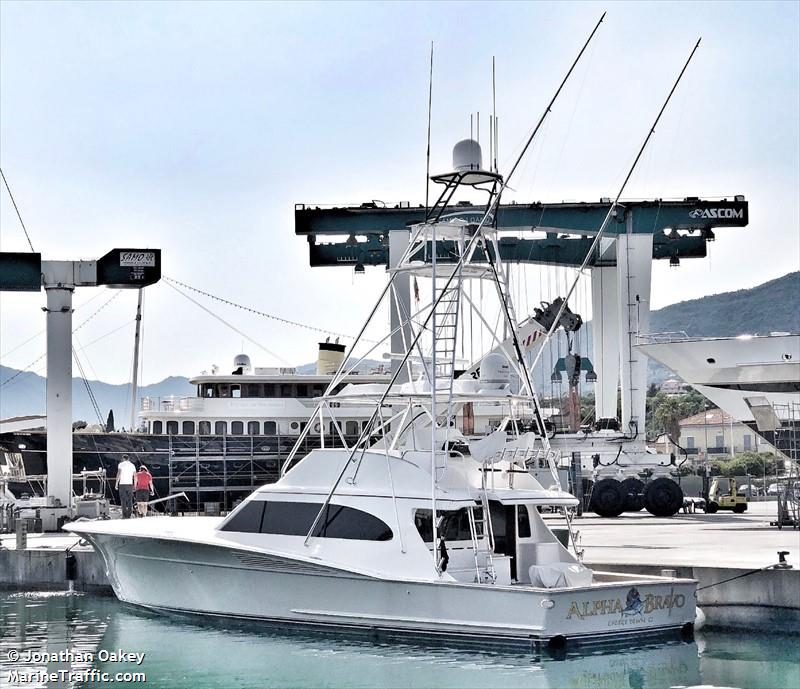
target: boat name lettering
137 259
717 213
633 605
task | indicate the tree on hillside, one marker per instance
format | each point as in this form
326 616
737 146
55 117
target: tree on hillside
665 412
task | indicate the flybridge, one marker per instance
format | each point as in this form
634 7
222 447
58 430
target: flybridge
680 229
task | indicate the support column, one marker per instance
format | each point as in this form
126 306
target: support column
634 267
59 393
605 341
398 243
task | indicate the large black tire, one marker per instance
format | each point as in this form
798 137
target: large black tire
663 497
634 494
608 498
740 509
711 507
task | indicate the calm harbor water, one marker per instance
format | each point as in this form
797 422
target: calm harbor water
87 631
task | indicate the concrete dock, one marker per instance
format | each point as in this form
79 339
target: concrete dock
722 551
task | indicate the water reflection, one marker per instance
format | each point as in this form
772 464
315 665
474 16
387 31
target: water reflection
190 653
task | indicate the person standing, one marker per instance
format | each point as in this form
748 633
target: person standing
144 489
124 484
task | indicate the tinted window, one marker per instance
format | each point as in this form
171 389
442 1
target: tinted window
204 427
220 427
158 427
287 390
454 526
270 428
172 427
302 390
247 519
523 522
237 427
236 391
269 390
296 518
187 428
351 428
253 427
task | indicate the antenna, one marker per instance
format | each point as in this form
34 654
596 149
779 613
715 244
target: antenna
470 127
493 129
428 154
479 128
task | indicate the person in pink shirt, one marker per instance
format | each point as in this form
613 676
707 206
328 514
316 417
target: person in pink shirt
144 489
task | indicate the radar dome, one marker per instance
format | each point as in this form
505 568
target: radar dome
495 370
467 155
241 364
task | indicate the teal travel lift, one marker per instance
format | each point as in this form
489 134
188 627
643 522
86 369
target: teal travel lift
561 234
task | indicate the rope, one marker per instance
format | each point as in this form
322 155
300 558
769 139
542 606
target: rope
255 311
739 576
19 215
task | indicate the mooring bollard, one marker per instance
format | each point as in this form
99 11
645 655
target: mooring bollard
22 534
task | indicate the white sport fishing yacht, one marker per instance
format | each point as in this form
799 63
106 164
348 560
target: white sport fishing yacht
414 528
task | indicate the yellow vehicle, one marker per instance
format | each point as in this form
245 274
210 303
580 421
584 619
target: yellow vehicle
723 495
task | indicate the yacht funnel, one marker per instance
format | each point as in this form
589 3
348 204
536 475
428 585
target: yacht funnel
329 358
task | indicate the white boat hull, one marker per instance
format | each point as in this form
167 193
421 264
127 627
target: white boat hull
215 580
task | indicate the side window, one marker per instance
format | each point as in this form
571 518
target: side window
302 390
338 521
187 428
208 390
236 391
287 390
351 427
270 428
523 522
204 427
246 519
220 427
690 442
158 427
237 427
172 428
253 427
269 390
317 390
223 390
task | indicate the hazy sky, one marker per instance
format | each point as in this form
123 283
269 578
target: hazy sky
196 127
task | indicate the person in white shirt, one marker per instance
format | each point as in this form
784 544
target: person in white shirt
124 484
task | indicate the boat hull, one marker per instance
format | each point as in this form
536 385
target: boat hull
209 579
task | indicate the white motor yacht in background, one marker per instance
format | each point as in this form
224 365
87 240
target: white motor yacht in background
754 378
414 528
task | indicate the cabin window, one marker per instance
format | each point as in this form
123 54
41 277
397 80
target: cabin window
236 390
237 428
208 390
337 521
204 427
158 427
269 390
253 390
253 427
172 428
454 526
247 519
317 390
223 390
220 427
302 390
287 390
187 428
523 522
351 427
339 388
294 426
270 428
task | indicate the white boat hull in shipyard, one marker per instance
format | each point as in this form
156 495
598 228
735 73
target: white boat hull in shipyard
179 575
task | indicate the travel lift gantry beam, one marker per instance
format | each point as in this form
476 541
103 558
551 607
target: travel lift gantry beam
640 232
119 268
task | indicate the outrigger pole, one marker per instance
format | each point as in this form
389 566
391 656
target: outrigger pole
613 207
